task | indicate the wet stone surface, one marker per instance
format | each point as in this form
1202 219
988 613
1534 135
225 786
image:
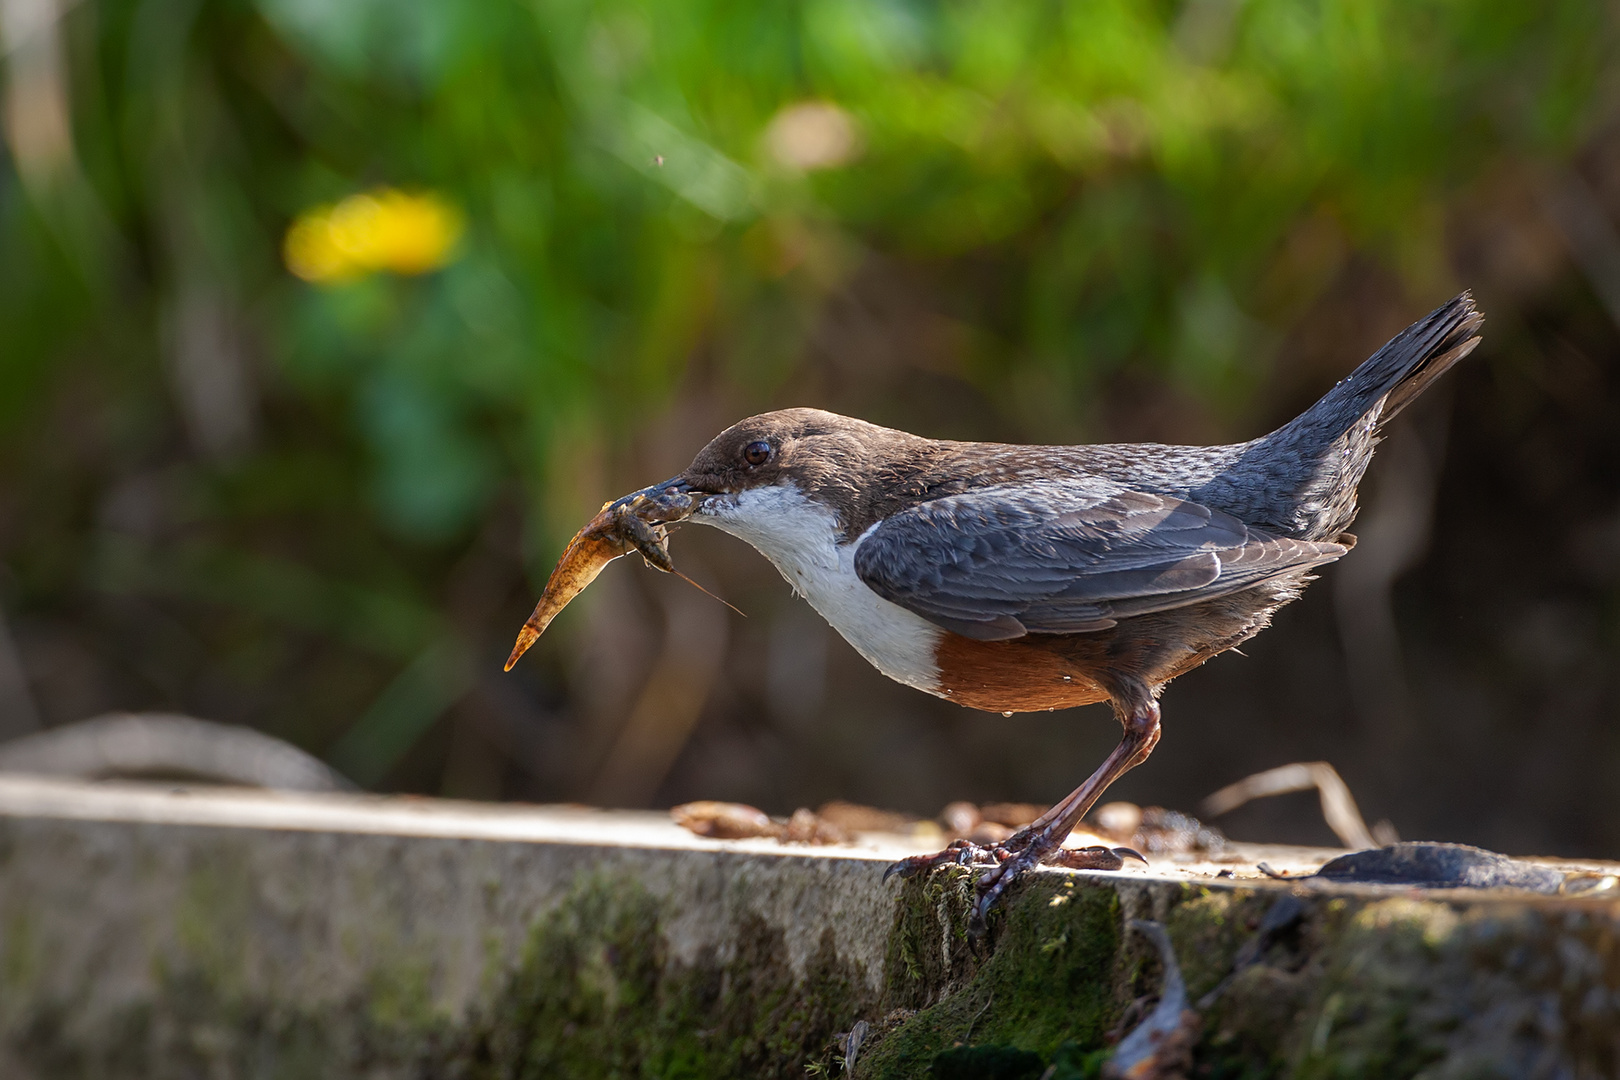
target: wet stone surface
151 933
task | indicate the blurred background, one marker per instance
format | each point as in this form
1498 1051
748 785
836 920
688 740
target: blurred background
324 325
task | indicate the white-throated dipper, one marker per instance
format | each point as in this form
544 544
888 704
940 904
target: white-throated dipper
1021 578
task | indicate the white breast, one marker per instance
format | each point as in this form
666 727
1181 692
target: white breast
800 538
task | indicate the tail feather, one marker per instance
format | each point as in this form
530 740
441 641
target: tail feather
1310 467
1420 377
1402 369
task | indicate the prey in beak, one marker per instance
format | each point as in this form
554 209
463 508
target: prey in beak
636 523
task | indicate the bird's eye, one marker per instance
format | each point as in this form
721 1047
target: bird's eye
757 453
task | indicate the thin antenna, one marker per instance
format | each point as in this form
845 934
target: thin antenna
706 592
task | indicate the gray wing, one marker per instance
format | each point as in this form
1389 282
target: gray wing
1066 557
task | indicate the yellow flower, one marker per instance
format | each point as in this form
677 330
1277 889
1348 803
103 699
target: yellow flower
380 230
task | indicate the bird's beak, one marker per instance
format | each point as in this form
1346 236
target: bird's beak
673 500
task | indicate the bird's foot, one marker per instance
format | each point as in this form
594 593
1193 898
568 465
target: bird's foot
958 853
1020 852
1030 848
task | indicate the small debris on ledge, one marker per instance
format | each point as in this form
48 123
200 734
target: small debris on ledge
738 821
1152 829
723 820
1155 830
1169 835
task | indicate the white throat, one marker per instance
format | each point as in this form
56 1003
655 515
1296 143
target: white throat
800 538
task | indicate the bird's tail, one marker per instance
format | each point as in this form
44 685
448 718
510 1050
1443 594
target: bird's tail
1397 373
1310 467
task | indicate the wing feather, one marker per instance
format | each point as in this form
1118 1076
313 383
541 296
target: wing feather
1071 556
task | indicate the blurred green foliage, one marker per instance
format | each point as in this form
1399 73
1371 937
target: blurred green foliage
1088 185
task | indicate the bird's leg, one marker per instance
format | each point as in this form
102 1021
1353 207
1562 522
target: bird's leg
1141 724
1042 839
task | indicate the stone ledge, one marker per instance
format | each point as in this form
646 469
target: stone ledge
157 931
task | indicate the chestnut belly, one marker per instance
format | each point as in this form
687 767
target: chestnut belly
1036 673
1039 672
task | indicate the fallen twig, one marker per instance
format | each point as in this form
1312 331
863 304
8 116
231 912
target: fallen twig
1338 805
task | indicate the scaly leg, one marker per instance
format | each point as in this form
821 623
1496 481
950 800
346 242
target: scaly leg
1042 839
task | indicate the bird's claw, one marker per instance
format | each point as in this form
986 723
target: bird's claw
1094 858
1007 861
957 853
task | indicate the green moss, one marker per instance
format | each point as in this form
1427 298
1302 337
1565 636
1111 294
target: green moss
930 951
987 1063
1045 978
1371 1014
591 966
597 995
1208 928
20 958
212 917
1246 1030
400 996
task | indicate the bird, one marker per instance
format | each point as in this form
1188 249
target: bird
1017 578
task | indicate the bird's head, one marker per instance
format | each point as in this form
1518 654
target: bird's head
792 452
